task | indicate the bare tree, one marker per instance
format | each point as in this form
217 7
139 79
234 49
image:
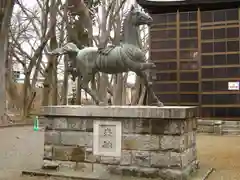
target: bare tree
80 28
28 30
51 80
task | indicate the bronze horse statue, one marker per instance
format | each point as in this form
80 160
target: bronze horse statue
125 57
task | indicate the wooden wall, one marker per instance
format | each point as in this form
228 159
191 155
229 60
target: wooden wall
197 54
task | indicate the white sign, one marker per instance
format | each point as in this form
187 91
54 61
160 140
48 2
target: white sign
233 85
107 138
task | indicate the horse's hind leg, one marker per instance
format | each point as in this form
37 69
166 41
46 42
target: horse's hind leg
85 81
148 84
144 66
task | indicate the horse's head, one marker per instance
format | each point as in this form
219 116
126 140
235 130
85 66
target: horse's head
68 48
139 16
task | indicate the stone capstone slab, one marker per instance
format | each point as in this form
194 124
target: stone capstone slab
175 112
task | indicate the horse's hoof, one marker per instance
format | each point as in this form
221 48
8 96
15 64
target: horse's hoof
153 65
160 104
101 104
73 79
150 83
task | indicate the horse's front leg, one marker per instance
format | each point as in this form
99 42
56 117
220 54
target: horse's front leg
74 73
148 85
85 81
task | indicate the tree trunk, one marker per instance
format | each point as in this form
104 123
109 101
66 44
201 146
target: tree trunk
136 96
64 90
25 95
11 88
142 96
79 92
7 14
103 87
3 44
50 81
53 59
124 87
46 86
118 90
64 94
54 86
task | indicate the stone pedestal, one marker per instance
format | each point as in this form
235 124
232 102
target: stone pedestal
155 141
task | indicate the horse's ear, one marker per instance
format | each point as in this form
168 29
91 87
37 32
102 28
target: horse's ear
132 7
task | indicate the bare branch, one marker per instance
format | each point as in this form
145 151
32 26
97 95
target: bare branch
110 8
19 60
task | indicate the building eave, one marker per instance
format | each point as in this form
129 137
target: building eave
187 5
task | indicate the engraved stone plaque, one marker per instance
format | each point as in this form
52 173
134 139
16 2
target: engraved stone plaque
107 138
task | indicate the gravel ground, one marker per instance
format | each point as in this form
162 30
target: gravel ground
221 153
22 148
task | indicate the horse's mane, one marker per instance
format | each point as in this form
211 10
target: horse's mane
125 17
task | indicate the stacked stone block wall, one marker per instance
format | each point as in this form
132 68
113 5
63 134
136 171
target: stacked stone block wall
162 144
219 127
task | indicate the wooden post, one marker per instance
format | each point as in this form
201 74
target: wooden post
178 57
199 60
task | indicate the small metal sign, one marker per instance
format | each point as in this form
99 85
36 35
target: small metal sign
107 138
233 86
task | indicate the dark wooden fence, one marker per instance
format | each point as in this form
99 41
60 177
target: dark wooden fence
197 54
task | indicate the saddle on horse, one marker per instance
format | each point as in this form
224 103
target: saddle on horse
106 50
